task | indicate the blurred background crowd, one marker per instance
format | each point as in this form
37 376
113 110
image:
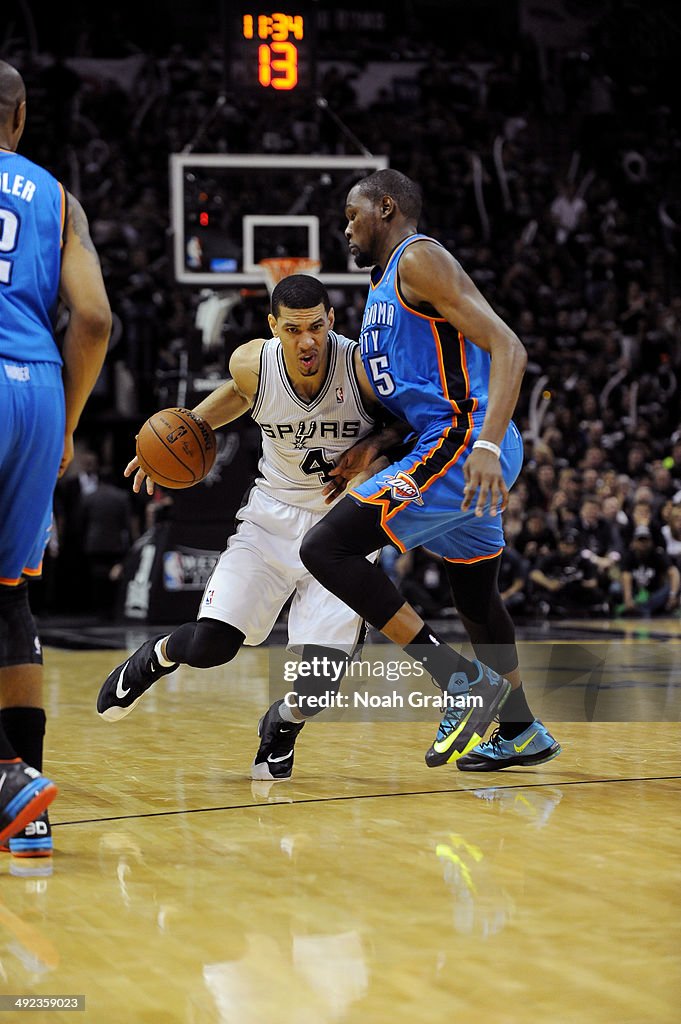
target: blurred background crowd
550 166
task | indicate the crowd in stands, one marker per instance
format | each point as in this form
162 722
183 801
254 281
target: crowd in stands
556 184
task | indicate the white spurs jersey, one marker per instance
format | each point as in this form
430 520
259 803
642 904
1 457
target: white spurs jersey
302 441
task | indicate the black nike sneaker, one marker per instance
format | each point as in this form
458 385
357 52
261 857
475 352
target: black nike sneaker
274 760
127 684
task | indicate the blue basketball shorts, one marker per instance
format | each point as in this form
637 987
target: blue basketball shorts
31 447
420 496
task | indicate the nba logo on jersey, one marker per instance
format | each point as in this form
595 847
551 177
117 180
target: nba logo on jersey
403 488
208 599
340 397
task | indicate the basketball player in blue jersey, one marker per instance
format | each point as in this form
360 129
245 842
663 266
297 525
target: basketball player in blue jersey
45 254
440 359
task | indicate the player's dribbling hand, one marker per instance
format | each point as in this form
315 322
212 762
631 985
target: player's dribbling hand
482 473
140 476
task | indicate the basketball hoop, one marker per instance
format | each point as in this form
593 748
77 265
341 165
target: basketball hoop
276 268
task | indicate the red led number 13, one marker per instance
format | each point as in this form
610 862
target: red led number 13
278 65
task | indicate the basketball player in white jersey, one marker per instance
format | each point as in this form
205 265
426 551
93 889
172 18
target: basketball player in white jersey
307 390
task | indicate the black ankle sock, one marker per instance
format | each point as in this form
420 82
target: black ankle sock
25 729
7 751
438 657
515 715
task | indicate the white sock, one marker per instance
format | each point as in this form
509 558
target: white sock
163 662
286 714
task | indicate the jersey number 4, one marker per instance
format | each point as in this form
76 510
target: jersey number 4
9 235
316 462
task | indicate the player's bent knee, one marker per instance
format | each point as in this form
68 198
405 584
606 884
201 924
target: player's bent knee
212 643
316 548
19 643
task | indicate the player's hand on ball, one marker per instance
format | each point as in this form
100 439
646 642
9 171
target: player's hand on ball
140 476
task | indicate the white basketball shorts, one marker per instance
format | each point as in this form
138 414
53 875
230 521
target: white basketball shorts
260 569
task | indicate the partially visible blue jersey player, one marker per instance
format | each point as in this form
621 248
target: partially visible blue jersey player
45 255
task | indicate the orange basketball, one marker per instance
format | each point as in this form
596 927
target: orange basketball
176 448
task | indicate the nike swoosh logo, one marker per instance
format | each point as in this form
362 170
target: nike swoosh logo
444 745
120 692
519 749
276 760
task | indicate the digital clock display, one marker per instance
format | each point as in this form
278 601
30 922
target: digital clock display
274 50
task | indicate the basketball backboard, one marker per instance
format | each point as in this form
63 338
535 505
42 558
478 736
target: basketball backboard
230 212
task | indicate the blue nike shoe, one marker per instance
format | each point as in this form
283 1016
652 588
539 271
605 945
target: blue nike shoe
534 746
471 709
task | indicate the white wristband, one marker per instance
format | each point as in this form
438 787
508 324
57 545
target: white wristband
489 446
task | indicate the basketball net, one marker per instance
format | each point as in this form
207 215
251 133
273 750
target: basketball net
276 268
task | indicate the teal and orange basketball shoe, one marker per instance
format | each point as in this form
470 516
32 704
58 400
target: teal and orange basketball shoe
470 710
534 746
24 795
34 840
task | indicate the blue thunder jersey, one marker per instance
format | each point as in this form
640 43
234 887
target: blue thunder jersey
427 373
32 216
419 365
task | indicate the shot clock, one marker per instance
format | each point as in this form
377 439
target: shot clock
272 49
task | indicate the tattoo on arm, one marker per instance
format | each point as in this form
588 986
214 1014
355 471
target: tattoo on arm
80 225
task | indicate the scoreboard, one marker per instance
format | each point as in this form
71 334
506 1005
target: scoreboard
271 49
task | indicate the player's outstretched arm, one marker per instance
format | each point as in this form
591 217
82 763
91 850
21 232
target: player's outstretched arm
236 396
429 274
87 335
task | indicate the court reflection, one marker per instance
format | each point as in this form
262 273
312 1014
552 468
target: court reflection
487 880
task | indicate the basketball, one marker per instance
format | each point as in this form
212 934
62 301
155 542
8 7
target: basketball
176 448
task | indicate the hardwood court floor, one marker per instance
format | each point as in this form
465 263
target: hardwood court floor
368 890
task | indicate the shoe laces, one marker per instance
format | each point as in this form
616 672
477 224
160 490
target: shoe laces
494 741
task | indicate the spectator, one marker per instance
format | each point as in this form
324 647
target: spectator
107 536
671 533
596 539
513 572
566 582
536 538
650 583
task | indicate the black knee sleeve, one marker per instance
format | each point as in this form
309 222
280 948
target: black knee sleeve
335 551
204 644
19 643
476 595
316 689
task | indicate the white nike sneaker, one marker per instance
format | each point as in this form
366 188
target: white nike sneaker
274 760
127 684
